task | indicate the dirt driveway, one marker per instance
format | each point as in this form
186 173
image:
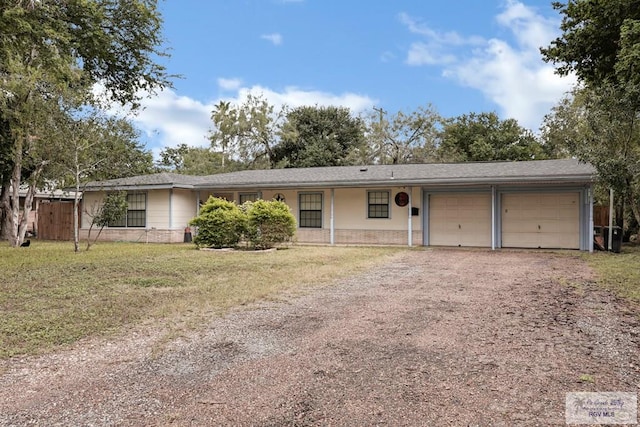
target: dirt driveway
433 337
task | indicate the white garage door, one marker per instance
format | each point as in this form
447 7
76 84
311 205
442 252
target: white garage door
541 220
460 219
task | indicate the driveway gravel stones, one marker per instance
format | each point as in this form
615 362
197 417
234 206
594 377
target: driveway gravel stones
430 337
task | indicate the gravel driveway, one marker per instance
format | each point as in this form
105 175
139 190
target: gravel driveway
433 337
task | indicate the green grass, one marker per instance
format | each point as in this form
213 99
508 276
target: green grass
619 273
51 296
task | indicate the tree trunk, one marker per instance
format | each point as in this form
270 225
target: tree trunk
14 212
76 231
5 209
26 209
28 202
634 207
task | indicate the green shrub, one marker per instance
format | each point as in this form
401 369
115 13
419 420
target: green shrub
221 224
269 223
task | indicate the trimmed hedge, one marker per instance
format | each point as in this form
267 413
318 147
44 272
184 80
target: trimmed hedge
269 223
263 224
220 224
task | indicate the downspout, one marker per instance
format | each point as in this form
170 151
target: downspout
332 233
410 220
493 218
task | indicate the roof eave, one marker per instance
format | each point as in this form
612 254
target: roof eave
133 187
574 179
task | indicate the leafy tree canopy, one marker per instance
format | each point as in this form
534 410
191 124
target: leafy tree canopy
600 40
485 137
404 138
319 136
247 132
55 53
195 161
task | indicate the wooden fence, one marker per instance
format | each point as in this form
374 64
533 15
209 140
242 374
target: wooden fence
601 216
55 221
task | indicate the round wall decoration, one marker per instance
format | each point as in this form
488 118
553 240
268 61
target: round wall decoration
402 199
279 197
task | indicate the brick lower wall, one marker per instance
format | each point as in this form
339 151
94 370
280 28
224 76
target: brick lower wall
359 237
136 235
310 236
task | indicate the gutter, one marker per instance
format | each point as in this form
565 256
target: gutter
139 187
582 179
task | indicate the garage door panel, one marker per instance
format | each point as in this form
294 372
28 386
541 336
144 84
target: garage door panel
541 220
519 227
520 240
460 219
472 215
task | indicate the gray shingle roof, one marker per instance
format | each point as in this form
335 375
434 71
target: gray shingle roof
158 180
558 171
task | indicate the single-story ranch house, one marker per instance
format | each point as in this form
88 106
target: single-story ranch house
532 204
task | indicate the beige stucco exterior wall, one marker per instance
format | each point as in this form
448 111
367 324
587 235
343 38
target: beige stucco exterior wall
158 213
165 218
169 211
185 205
351 210
90 202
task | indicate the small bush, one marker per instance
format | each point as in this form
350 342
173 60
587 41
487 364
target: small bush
269 223
221 224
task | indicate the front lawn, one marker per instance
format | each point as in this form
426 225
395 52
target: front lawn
619 273
50 295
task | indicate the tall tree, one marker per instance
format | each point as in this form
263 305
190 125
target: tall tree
48 47
320 136
601 127
594 33
404 138
485 137
189 160
99 148
600 43
246 132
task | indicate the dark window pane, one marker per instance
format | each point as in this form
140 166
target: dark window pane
378 204
136 218
310 206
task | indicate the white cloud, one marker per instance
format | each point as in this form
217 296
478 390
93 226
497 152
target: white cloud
168 119
428 54
437 38
172 120
435 48
296 97
274 38
229 84
512 75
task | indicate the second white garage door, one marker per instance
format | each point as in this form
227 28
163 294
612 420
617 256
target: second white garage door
460 219
541 220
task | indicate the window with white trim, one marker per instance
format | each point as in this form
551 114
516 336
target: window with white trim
310 210
378 204
136 216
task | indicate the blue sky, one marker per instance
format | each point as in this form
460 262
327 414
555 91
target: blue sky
461 56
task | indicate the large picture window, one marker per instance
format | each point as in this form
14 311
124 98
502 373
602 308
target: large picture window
310 210
378 204
136 212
